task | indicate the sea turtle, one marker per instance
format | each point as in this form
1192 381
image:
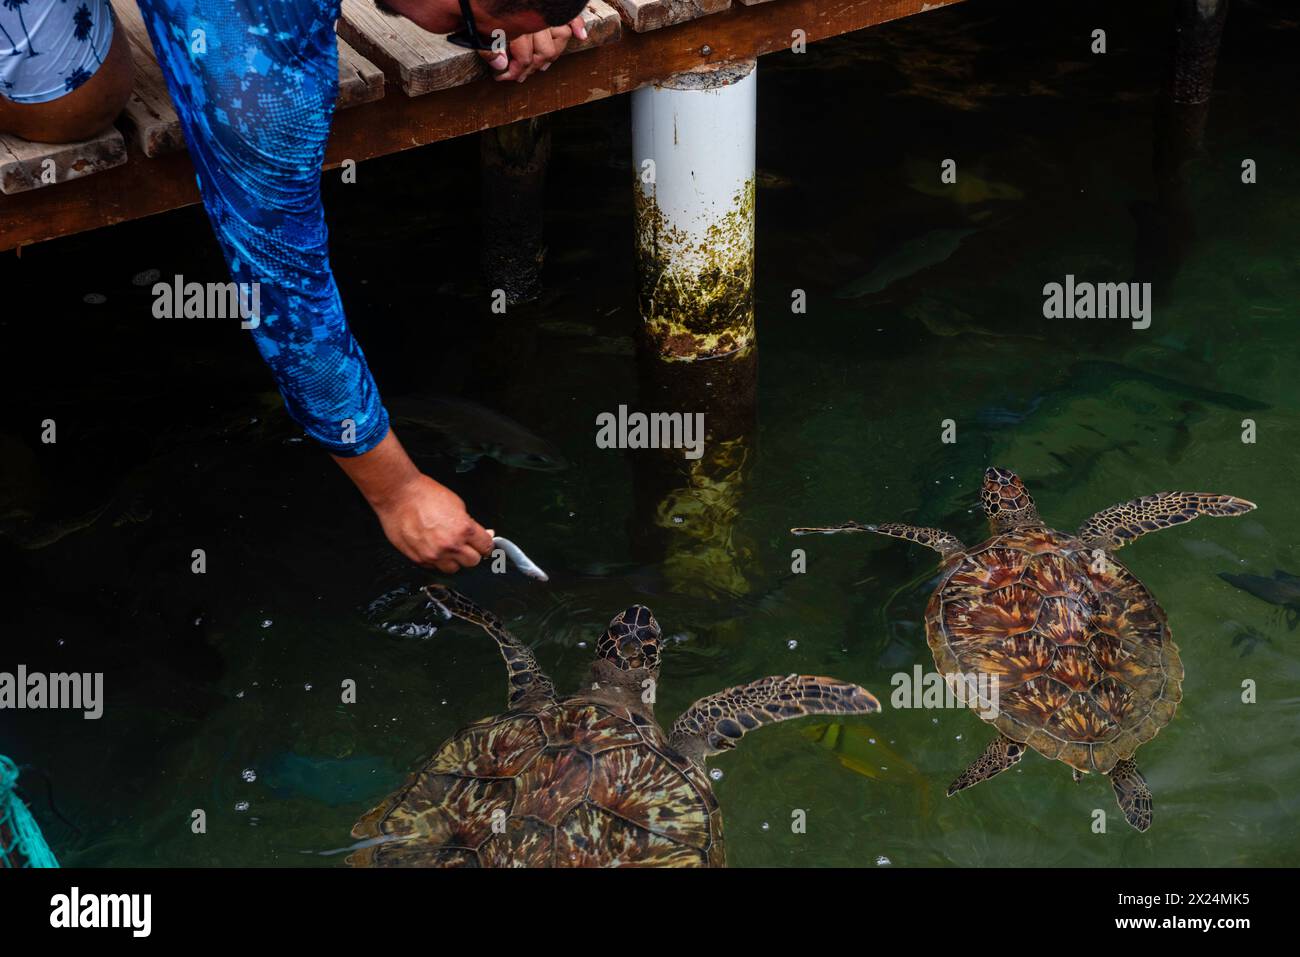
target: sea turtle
1086 668
587 780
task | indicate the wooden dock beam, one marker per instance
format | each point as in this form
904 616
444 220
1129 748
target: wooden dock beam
144 186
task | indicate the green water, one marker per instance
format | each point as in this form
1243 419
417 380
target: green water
172 440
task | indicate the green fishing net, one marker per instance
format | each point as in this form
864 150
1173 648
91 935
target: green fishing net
21 842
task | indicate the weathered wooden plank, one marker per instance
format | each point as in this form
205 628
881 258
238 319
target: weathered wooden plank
360 81
421 62
414 59
23 165
603 23
643 15
149 116
147 186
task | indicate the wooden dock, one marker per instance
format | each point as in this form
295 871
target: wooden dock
400 87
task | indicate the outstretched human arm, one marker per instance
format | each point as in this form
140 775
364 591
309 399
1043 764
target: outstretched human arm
254 83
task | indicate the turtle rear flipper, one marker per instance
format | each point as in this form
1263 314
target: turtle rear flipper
945 543
715 723
527 680
1132 793
1118 525
1001 754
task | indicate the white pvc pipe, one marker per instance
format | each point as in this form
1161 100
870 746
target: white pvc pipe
693 156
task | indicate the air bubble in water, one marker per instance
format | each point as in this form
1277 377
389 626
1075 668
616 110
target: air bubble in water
241 806
249 775
883 861
792 644
716 774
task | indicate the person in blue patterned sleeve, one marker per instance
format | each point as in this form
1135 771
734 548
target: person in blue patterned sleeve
254 83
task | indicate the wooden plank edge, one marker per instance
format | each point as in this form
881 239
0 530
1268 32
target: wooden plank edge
21 173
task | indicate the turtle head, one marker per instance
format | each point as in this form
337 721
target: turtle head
1007 502
628 651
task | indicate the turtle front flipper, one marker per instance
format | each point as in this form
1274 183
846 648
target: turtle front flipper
945 543
1132 793
1002 753
527 680
715 723
1118 525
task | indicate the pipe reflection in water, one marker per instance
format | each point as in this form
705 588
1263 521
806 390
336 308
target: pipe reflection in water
514 159
1167 230
686 509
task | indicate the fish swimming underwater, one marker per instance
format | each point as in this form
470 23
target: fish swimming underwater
1282 589
1000 416
1099 372
969 189
475 431
861 750
916 254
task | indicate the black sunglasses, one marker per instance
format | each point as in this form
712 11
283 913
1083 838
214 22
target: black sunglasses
469 36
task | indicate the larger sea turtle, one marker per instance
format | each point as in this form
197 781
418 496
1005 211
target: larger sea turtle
587 780
1086 668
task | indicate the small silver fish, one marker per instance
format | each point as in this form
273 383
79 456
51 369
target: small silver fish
521 561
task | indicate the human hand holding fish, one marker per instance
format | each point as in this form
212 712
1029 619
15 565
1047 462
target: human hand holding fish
423 519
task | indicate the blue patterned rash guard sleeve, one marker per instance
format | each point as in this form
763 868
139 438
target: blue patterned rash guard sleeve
254 83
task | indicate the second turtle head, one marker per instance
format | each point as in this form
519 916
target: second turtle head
632 640
1006 501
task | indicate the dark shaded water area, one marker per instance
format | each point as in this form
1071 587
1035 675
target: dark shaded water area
171 438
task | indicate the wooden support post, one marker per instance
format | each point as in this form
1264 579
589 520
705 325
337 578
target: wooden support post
514 159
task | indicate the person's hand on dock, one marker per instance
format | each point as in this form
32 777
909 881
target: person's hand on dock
424 520
533 52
